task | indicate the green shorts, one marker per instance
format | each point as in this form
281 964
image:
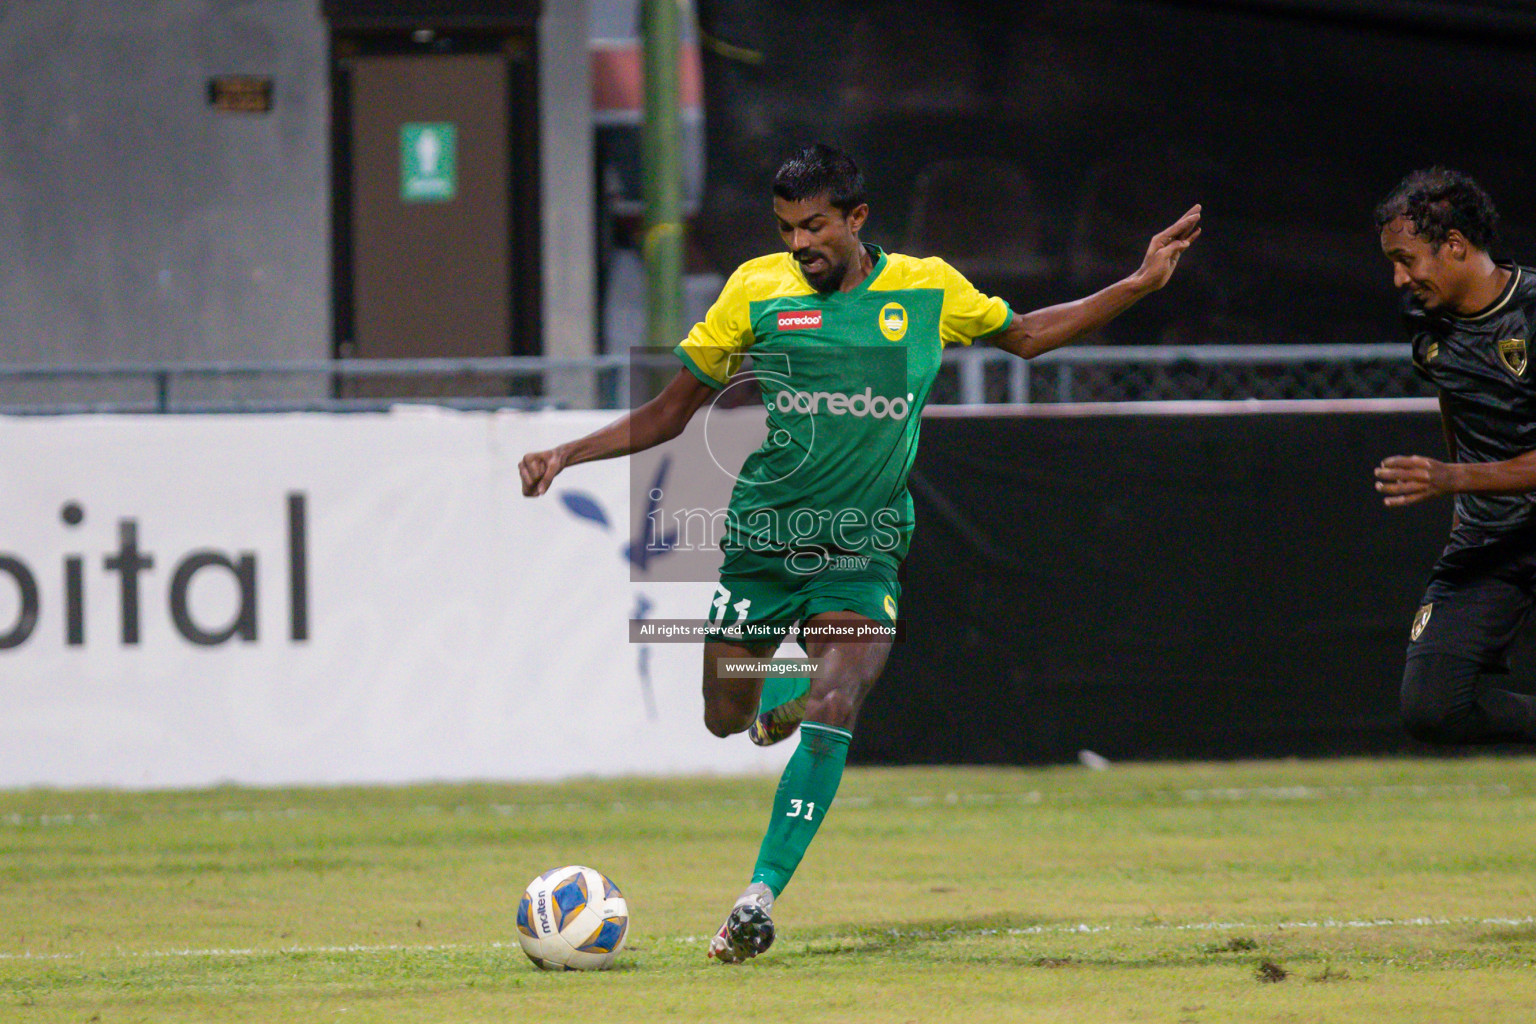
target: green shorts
758 600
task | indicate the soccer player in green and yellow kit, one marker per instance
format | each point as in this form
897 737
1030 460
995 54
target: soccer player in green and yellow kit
845 341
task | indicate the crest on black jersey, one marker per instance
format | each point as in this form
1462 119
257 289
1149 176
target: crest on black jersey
1420 620
1512 355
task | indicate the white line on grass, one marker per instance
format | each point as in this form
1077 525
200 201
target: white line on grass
1221 926
156 954
947 799
1041 929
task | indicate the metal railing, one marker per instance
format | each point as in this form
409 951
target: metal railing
968 376
1142 373
349 385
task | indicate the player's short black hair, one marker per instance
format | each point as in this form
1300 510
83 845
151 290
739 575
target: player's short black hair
1437 200
820 170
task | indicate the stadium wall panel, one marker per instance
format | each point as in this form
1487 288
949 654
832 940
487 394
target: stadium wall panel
186 600
1154 587
189 600
139 221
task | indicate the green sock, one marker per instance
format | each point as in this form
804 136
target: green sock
780 690
805 794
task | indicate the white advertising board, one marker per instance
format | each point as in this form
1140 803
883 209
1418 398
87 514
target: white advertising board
307 598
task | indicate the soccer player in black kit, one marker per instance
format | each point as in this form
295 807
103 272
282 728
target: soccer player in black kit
1470 319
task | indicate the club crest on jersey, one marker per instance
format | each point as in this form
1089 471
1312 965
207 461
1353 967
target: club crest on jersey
1512 355
800 320
893 321
1420 620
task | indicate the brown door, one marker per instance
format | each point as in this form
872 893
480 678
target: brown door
430 207
434 216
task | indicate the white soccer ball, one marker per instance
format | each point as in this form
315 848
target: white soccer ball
572 918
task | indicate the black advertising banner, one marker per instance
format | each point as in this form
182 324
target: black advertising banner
1204 586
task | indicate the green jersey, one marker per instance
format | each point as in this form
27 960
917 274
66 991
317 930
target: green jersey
844 377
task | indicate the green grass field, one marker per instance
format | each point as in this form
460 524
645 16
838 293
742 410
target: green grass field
1373 891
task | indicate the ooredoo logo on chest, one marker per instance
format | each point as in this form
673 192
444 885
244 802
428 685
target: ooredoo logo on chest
800 319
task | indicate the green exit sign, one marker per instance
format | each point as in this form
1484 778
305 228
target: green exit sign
429 160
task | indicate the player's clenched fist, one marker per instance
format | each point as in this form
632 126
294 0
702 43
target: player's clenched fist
538 469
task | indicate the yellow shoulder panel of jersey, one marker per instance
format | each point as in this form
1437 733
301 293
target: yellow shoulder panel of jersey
715 345
903 271
775 276
967 313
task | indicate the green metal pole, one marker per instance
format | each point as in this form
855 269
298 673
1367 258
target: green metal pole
661 141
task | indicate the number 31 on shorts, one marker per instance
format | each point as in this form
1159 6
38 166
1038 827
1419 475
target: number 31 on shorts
721 602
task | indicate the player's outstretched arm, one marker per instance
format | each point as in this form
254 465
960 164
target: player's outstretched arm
656 422
1041 330
1409 479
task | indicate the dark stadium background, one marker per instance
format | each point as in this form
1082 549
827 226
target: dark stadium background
1040 143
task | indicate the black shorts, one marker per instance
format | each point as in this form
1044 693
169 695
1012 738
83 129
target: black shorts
1479 596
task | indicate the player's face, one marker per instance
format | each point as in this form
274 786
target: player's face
1433 276
821 237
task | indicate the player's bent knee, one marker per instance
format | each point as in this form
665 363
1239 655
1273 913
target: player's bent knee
1436 702
1431 725
726 721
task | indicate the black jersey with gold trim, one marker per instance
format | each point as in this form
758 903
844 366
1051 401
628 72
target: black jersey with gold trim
1482 367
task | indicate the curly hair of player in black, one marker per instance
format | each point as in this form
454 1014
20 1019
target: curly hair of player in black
819 170
1438 200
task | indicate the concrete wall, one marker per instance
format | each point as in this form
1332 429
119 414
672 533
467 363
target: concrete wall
138 222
